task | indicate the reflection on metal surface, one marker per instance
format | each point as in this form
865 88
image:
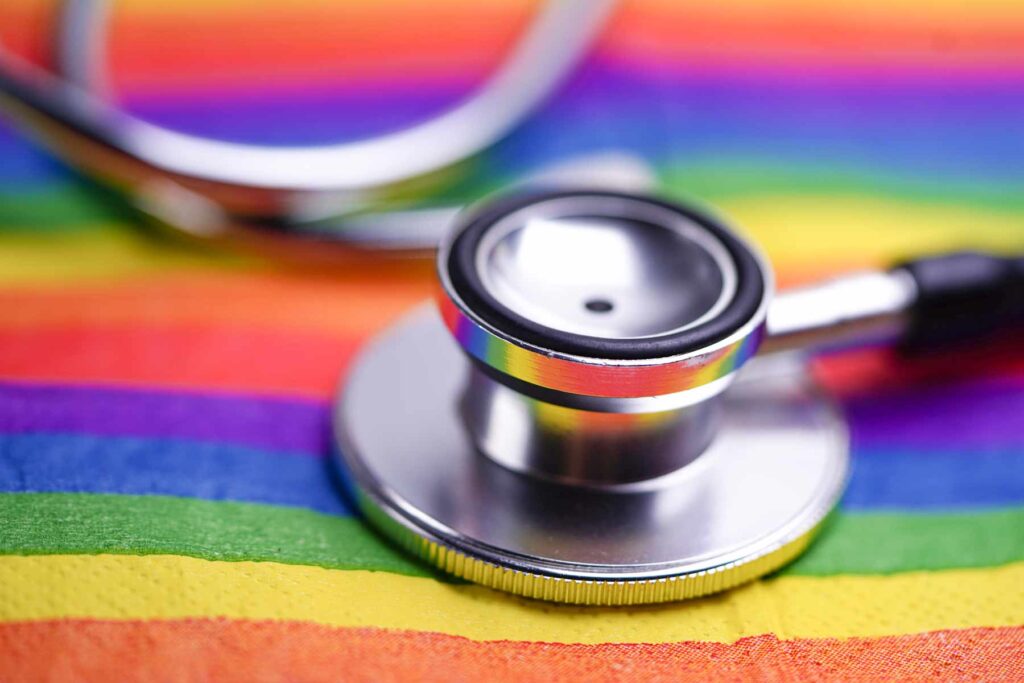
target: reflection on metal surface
583 446
647 274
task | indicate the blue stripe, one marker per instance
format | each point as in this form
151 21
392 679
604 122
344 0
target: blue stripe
23 164
50 463
82 463
935 478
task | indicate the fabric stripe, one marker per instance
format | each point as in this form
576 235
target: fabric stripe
963 416
925 478
246 650
862 233
859 376
307 365
657 35
131 465
789 118
767 40
982 12
275 424
52 203
261 361
68 523
103 251
968 415
886 542
766 126
84 463
252 449
40 524
174 587
358 303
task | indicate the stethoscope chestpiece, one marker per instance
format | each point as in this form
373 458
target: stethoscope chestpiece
613 320
588 436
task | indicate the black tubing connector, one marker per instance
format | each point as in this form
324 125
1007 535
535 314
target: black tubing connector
962 297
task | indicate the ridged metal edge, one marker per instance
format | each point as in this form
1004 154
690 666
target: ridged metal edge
592 592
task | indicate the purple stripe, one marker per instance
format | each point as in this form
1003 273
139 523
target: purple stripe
977 415
680 102
273 424
972 416
290 116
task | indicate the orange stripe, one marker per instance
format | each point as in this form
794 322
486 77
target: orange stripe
358 304
255 650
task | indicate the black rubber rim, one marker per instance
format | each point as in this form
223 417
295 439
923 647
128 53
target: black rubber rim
467 284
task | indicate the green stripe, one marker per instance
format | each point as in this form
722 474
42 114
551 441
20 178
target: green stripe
881 543
714 181
83 523
61 523
59 208
69 205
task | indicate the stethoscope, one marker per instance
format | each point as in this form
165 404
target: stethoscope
608 405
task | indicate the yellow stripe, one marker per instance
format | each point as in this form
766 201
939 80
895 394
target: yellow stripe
801 231
169 587
100 253
798 232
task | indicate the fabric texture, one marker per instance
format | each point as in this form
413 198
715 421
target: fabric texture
169 501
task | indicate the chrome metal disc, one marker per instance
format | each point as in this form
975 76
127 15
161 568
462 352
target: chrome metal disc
751 503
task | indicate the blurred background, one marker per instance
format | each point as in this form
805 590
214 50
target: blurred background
839 134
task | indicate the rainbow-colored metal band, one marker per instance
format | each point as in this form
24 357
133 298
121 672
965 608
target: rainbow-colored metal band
595 377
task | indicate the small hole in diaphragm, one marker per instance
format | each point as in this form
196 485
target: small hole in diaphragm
599 305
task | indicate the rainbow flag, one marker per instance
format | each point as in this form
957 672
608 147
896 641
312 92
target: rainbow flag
168 504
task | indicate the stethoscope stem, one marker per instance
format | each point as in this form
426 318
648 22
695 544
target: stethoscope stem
857 309
918 305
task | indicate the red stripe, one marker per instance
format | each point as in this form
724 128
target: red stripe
198 357
211 48
235 357
872 370
812 38
248 650
326 43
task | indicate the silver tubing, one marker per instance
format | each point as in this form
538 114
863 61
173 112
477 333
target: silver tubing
292 202
544 55
851 310
80 49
